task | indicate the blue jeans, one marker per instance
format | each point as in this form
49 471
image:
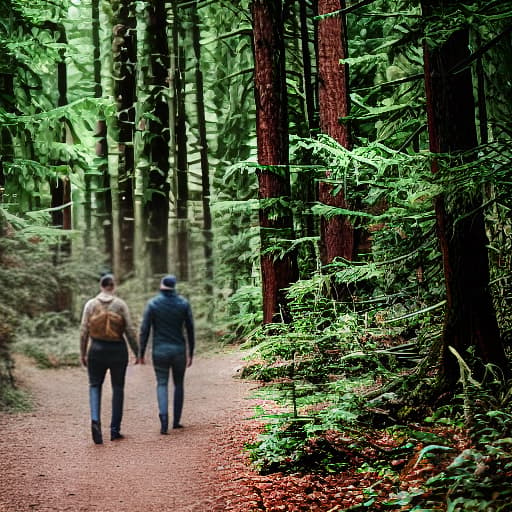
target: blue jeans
171 358
103 356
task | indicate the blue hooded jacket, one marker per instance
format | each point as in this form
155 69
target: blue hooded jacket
168 315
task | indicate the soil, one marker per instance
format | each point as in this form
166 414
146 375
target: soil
49 463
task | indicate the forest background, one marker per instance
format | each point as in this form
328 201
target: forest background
329 182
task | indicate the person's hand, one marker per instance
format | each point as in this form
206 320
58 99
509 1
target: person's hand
83 360
140 360
189 361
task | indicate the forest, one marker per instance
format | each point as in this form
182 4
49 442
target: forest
331 183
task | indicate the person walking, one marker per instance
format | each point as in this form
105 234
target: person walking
168 315
104 329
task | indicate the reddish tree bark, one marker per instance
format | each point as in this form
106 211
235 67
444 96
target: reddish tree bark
470 316
337 233
272 134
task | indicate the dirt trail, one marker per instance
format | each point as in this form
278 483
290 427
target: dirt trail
49 463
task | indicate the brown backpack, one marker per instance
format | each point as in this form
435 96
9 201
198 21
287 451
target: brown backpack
105 324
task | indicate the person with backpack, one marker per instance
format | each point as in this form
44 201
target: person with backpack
169 316
104 329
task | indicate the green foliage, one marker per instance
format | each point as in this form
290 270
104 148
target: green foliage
29 296
53 345
292 442
14 400
231 137
7 325
280 446
356 325
314 367
35 121
478 477
242 314
385 73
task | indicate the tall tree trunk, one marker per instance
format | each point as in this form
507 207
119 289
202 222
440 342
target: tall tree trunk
61 188
307 60
157 206
182 193
124 62
470 317
6 143
61 218
337 233
103 195
205 167
178 136
306 184
142 165
272 134
99 184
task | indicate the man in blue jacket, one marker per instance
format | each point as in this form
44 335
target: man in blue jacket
169 316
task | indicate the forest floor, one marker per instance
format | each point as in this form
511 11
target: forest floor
49 463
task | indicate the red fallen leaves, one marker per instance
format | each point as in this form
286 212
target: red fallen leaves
250 492
312 492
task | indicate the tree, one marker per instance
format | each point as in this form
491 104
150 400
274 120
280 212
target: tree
278 271
307 64
470 316
61 187
337 233
124 62
6 149
203 150
157 145
178 125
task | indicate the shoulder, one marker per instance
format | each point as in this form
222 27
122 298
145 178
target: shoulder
183 300
119 302
155 300
151 303
120 306
90 304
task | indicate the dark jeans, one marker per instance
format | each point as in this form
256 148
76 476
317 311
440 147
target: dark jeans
103 356
172 358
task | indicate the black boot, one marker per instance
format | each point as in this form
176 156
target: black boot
164 423
97 437
115 434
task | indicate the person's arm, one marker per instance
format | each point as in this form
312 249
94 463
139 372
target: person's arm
129 330
189 327
84 333
145 328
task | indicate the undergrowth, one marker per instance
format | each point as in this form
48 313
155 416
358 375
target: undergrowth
51 348
327 412
36 306
458 457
